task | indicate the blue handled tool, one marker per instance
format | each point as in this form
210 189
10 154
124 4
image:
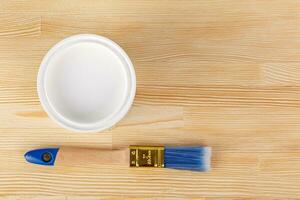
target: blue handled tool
194 158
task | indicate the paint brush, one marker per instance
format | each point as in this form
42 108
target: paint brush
194 158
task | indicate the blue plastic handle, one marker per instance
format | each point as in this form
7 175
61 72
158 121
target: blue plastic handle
37 156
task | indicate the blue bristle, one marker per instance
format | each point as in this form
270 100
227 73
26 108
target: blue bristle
193 158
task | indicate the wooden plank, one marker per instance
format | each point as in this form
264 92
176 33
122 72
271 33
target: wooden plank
219 96
32 197
19 25
260 8
281 73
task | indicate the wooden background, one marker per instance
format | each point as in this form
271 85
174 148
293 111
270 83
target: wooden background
220 73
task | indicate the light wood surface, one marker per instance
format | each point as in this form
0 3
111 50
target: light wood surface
78 156
225 74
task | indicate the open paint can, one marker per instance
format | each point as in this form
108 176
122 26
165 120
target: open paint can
86 83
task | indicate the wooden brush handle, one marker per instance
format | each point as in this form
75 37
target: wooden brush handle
89 156
70 156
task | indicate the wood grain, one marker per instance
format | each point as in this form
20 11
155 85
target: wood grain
94 156
19 25
221 73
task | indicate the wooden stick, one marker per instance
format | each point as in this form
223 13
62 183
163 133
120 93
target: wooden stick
89 156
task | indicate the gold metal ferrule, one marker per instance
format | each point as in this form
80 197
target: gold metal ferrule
146 156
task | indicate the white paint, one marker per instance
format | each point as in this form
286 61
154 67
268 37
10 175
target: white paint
86 83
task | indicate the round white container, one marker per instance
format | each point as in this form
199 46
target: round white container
86 83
